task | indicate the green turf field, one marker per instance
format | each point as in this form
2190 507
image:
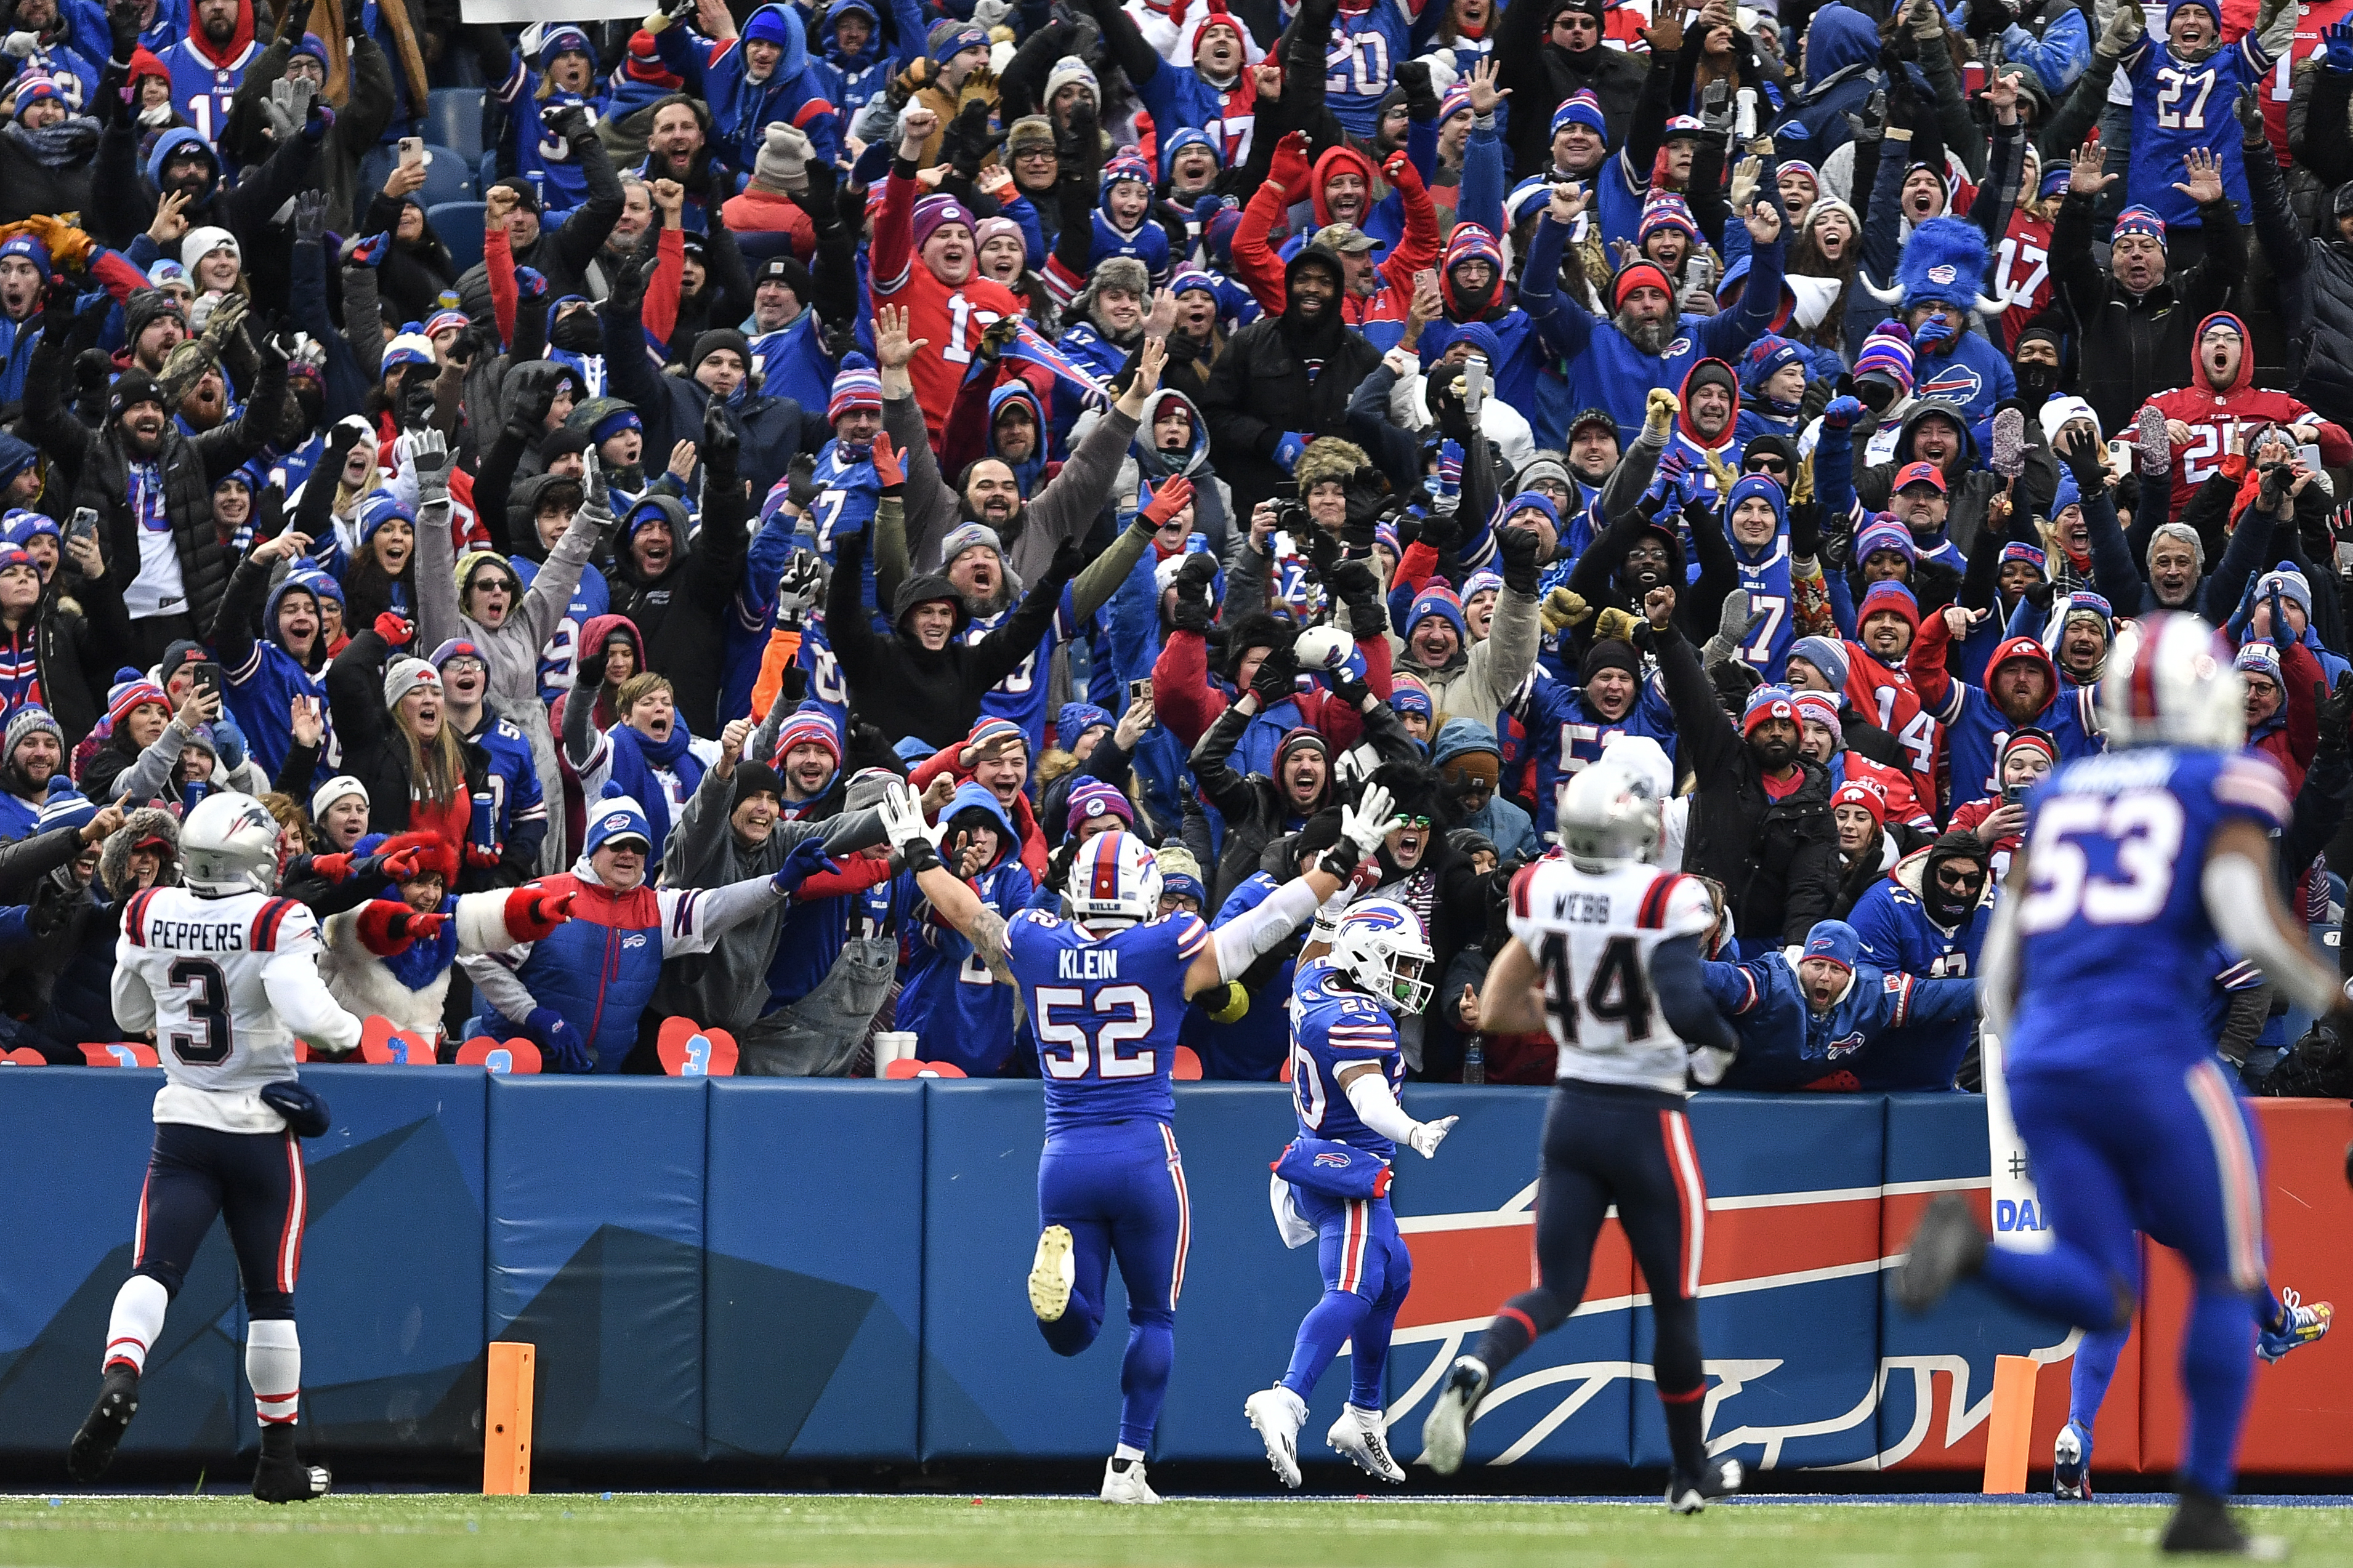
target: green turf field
459 1532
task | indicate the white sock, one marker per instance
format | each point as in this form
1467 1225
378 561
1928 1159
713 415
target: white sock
1124 1451
137 1318
273 1365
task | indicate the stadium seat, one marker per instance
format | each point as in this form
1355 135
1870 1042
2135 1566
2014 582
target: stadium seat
1187 1068
459 226
453 119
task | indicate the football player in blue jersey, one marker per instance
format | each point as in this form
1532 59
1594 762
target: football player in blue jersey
1105 991
1332 1184
2095 976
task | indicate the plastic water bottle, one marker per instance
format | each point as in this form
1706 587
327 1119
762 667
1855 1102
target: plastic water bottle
1475 1060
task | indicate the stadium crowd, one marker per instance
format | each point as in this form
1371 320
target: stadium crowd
1165 417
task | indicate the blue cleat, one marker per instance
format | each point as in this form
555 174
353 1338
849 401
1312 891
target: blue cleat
2299 1325
2071 1465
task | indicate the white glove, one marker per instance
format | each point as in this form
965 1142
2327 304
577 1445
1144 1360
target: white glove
20 46
1367 822
1709 1063
902 820
988 14
1426 1136
799 584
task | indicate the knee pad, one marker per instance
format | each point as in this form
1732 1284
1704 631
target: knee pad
162 1274
263 1306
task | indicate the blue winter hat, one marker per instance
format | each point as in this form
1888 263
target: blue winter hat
22 526
1533 500
1885 533
2068 493
912 749
766 25
1765 488
1836 942
2055 180
613 424
616 815
950 38
64 808
1412 696
2138 220
1075 718
1944 263
1186 136
316 48
379 507
1478 334
31 249
317 583
1581 108
1766 358
559 39
1825 654
1438 599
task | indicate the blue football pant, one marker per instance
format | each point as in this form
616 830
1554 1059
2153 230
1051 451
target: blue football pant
1367 1273
1605 1143
1119 1189
2174 1153
252 1180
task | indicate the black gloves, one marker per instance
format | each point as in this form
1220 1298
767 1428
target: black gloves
2334 709
58 312
588 671
1420 102
534 398
969 141
1069 560
719 441
1359 588
1517 549
1805 529
1192 613
1818 396
1277 679
567 120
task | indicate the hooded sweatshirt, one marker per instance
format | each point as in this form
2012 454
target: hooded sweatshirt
1974 727
2212 412
959 1021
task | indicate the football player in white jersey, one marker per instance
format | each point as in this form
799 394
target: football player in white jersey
1606 952
226 975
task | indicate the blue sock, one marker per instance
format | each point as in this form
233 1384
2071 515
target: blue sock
2088 1380
1144 1377
2217 1363
2066 1282
1321 1332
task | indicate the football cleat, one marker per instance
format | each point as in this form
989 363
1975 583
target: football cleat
1363 1436
1947 1246
1126 1486
1447 1430
1053 1273
93 1447
2071 1465
1690 1494
1279 1414
2201 1522
2300 1325
290 1480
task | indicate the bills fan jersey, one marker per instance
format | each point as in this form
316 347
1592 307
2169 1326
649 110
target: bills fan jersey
1592 933
226 984
1106 1010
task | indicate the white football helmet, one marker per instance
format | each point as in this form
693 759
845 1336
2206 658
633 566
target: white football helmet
228 845
2170 682
1114 879
1380 946
1608 813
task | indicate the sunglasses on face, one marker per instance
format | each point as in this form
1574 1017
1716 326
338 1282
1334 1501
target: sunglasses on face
1954 877
1413 822
1771 466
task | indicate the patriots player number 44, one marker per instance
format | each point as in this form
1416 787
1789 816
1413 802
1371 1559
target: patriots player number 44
1105 991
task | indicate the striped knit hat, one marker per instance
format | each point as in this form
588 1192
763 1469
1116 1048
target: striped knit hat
808 729
1887 354
1126 166
130 689
2139 220
1469 242
858 385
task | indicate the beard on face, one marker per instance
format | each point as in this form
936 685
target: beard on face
1650 337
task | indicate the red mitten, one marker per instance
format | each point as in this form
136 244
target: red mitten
334 868
888 469
385 927
1400 172
393 629
482 857
1288 170
1168 500
533 912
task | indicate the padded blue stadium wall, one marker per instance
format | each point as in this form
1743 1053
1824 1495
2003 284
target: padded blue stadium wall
746 1271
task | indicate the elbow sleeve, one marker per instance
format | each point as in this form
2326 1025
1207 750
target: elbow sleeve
1376 1108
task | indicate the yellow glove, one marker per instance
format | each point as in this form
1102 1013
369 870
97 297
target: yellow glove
1721 471
1804 492
1615 624
1563 609
1660 411
1232 1007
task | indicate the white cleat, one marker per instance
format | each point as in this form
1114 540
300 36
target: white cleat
1053 1274
1279 1414
1128 1485
1363 1435
1446 1432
